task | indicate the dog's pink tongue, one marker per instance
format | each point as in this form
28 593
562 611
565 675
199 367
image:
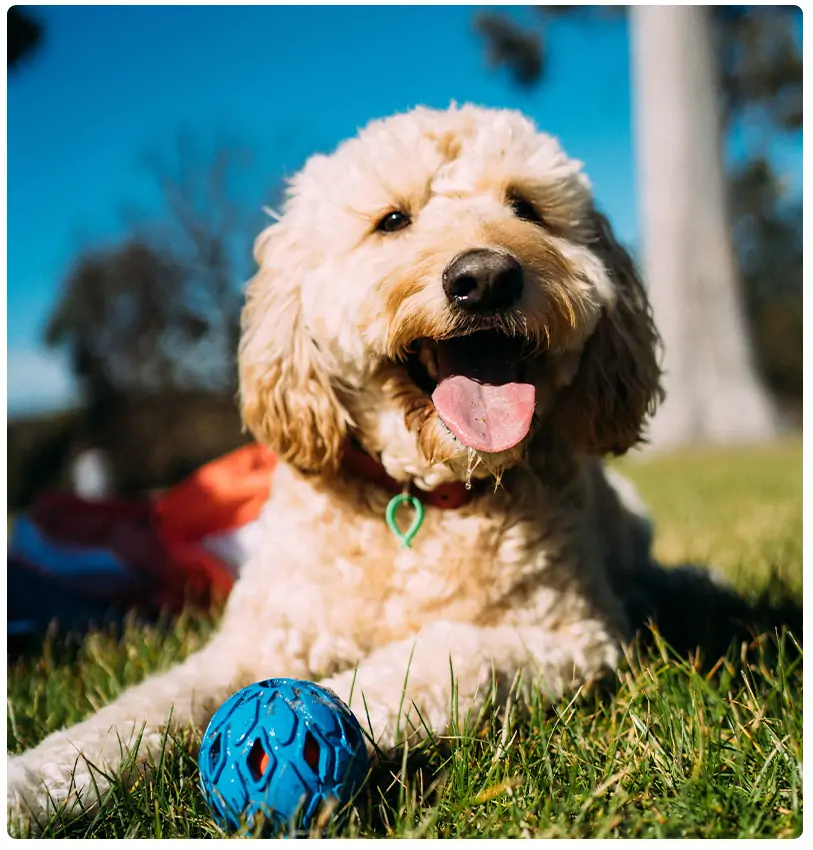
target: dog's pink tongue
479 397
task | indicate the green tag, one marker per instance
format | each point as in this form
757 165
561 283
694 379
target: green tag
393 505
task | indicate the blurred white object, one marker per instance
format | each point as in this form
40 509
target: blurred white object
713 392
234 547
92 474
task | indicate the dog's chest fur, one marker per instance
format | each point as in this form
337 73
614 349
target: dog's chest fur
333 571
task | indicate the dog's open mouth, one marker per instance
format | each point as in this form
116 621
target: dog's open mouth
475 383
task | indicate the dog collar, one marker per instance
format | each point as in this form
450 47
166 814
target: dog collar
445 496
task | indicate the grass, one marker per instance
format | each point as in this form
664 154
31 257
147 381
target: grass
679 749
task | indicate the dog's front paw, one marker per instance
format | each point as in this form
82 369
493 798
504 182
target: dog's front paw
375 716
388 715
37 793
27 801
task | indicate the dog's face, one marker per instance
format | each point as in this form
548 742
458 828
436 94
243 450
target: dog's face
442 288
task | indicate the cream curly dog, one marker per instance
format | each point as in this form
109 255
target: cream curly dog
439 305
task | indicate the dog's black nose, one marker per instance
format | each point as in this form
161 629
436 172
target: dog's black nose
483 281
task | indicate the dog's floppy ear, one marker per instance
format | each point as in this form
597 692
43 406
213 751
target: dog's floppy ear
617 386
286 397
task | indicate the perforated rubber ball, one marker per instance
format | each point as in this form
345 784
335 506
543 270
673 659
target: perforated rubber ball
282 748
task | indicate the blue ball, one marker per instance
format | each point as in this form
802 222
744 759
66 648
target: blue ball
281 748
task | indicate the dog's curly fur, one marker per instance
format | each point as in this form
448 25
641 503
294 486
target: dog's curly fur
528 577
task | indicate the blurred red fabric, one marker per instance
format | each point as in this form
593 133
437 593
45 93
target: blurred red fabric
159 539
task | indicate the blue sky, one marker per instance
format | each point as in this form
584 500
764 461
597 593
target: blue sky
112 84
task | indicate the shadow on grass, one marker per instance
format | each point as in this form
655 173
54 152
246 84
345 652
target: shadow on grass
63 640
698 615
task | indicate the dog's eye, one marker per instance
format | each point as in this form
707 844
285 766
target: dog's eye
392 221
524 209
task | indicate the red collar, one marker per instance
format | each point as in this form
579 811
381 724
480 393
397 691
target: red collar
445 496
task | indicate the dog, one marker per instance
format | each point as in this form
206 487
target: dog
440 314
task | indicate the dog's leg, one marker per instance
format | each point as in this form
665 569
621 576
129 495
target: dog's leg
416 674
65 769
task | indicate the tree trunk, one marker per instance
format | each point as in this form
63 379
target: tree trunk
713 391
